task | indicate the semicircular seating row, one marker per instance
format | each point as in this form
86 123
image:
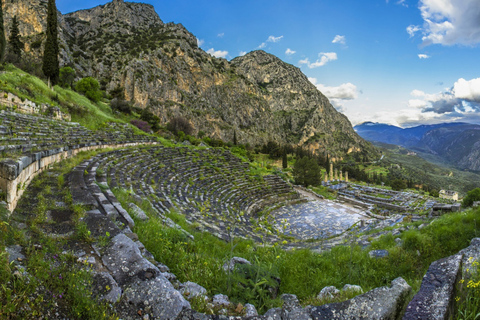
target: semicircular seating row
22 133
212 187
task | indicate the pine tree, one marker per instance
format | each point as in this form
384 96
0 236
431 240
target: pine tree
3 42
50 54
327 164
15 44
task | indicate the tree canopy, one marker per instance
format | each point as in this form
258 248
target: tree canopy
306 172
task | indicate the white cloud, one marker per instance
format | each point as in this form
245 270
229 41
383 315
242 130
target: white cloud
289 52
242 53
339 39
218 53
263 45
412 30
200 42
462 100
220 35
325 57
467 90
449 22
402 3
337 95
274 39
417 103
423 56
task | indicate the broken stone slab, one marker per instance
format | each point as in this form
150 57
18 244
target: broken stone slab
273 314
471 259
378 254
352 288
138 212
220 300
230 265
99 224
328 292
250 310
435 298
157 297
15 254
191 290
386 303
290 302
106 287
125 261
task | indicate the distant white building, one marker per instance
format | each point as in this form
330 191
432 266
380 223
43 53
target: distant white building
449 194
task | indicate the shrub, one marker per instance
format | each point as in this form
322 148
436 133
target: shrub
67 75
472 196
142 125
178 124
90 88
121 105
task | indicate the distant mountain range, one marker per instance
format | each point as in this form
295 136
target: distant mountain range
456 143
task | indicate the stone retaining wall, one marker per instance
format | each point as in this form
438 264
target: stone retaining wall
26 106
16 175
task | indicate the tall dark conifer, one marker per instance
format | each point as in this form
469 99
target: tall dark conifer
3 41
16 46
50 55
284 160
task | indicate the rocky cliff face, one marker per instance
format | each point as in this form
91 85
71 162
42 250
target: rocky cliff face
159 66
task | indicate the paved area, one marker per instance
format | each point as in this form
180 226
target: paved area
317 219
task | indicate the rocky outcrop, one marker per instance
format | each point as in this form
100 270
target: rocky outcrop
159 66
435 298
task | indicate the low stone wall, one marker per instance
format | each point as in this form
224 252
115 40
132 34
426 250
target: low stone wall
16 175
26 106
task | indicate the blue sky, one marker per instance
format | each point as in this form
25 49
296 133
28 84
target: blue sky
396 61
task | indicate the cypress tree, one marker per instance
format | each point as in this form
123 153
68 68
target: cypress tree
3 42
285 160
50 55
15 44
235 138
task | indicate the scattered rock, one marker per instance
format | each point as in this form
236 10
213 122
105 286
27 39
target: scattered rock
230 266
398 242
220 300
328 292
290 302
352 288
250 310
378 254
191 290
273 314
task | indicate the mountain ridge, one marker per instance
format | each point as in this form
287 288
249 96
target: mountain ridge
159 66
457 143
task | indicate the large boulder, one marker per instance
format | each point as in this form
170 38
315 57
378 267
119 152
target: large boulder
157 297
435 298
125 261
386 303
